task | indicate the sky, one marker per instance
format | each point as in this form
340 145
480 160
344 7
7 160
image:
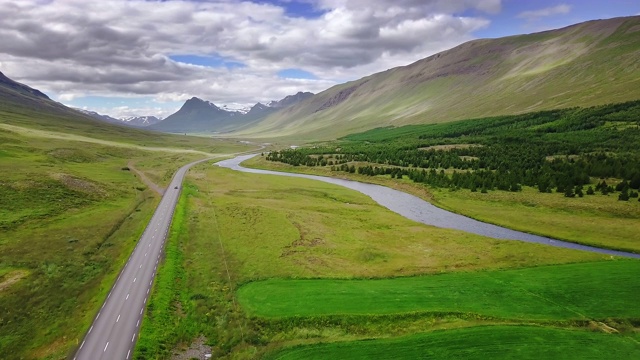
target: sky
141 57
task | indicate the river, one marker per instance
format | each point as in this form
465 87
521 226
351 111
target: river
414 208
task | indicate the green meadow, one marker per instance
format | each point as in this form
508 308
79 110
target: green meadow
581 291
258 263
71 211
484 342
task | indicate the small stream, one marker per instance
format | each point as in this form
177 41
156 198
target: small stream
414 208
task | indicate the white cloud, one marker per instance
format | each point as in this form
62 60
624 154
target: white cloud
546 12
122 48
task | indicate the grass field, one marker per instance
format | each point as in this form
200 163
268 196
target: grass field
245 227
487 342
593 220
70 214
561 292
599 220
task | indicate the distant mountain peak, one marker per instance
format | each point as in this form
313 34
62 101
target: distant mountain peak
197 103
201 115
290 100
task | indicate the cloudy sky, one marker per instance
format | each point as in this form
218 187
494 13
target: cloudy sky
137 57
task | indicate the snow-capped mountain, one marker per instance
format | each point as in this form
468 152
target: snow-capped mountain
134 121
140 121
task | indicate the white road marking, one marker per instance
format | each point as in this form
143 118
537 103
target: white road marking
90 328
140 266
147 291
150 282
140 313
81 345
127 298
98 315
134 336
105 347
118 319
145 254
134 279
138 323
145 300
128 353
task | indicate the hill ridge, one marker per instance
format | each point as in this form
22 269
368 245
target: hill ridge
571 66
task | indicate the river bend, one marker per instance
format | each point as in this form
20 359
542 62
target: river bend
414 208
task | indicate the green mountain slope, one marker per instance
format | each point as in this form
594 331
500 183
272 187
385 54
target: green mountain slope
24 109
587 64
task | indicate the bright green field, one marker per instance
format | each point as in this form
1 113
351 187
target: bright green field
490 342
572 291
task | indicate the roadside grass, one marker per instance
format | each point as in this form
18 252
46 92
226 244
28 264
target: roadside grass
485 342
596 220
584 291
156 169
159 323
70 214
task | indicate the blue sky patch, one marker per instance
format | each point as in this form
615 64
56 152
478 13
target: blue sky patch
100 103
213 61
301 9
296 74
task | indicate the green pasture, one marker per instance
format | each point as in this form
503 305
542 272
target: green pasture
561 292
485 342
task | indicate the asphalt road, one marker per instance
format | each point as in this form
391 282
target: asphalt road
115 328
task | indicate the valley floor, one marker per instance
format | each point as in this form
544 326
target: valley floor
246 245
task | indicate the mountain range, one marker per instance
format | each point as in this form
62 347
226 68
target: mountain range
197 115
135 121
587 64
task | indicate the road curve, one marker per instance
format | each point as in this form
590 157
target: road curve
114 331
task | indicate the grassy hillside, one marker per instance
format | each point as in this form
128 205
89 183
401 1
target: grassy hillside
71 211
20 110
587 64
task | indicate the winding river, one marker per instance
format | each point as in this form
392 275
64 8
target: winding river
414 208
